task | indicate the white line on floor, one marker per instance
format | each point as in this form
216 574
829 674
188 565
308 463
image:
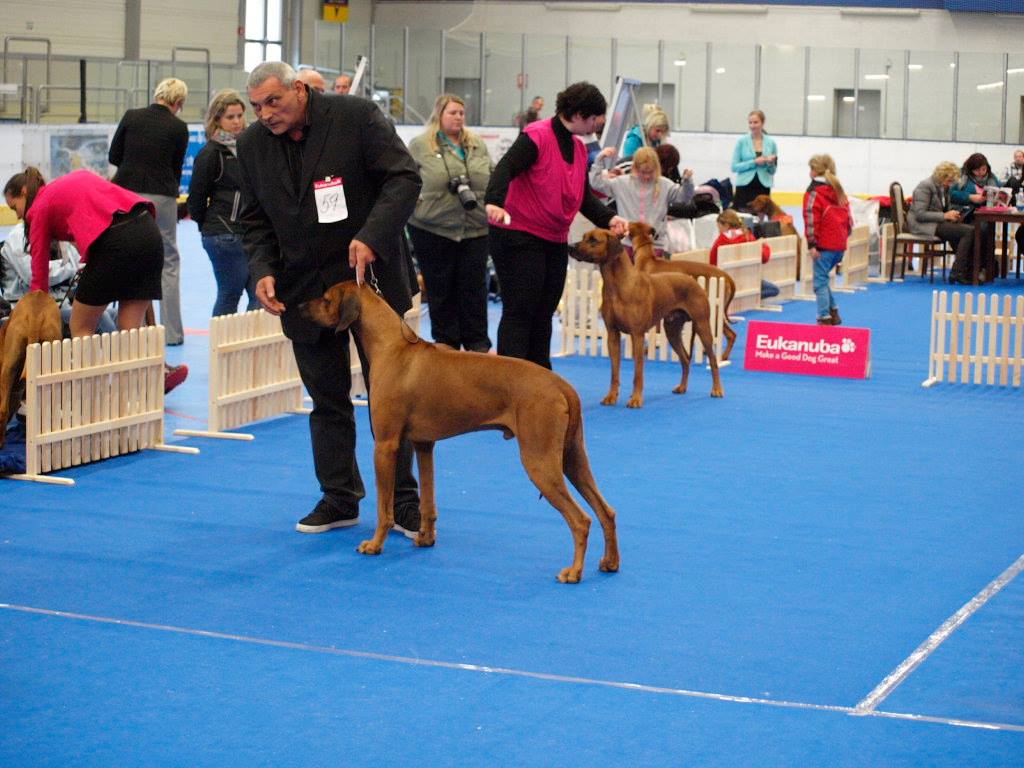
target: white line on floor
331 650
925 649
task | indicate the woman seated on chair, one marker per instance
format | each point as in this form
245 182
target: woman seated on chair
931 215
969 192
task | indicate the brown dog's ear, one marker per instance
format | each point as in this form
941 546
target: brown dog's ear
348 309
614 246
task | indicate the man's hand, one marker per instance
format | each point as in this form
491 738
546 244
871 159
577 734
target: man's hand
497 215
813 252
267 297
619 226
359 255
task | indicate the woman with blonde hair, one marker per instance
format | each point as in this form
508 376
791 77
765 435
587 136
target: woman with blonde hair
449 226
827 224
215 202
148 149
643 194
655 129
754 160
931 214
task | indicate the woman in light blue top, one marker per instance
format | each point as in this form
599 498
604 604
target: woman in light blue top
754 161
655 129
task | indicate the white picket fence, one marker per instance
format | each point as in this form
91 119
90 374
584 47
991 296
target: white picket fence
253 374
91 398
583 331
982 344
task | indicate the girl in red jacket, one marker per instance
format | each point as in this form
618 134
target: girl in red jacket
731 231
827 224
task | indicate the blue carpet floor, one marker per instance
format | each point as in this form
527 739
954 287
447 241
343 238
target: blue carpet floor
784 549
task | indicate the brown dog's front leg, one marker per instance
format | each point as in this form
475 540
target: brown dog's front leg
615 355
428 503
636 400
385 457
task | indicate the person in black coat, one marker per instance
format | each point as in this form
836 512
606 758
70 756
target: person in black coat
329 187
148 149
215 202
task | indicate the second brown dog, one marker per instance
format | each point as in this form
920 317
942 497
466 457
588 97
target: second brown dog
35 318
642 237
632 302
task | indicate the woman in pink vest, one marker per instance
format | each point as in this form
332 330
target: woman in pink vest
534 193
115 232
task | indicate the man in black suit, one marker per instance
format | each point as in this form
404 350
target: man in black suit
329 187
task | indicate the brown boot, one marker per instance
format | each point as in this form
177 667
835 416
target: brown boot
834 314
825 321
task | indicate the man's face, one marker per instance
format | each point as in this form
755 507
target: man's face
280 109
537 105
342 84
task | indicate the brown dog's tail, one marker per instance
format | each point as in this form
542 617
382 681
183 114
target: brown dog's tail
574 429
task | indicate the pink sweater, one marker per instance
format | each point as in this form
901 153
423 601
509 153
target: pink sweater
544 199
78 207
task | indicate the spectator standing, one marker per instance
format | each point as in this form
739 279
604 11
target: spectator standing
827 224
329 187
930 214
343 83
531 114
313 79
969 193
215 202
654 131
535 191
643 194
754 160
449 226
148 149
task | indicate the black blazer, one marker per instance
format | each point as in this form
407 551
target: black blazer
148 149
348 137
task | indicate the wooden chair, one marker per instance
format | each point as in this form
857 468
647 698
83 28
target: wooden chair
903 243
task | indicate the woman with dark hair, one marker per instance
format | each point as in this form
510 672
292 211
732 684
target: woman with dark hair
754 161
535 191
117 238
215 202
969 194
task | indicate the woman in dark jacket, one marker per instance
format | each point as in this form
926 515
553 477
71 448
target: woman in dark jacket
215 202
969 193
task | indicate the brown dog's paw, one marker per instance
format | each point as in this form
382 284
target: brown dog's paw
423 540
680 390
369 547
636 401
717 392
609 565
610 399
570 575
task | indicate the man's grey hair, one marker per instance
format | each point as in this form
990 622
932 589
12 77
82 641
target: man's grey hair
269 69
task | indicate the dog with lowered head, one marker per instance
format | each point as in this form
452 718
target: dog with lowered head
633 302
35 318
428 392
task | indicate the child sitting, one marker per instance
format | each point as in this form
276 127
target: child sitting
731 231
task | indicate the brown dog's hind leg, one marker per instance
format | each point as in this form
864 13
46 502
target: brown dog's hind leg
428 501
577 469
385 457
674 323
730 335
704 331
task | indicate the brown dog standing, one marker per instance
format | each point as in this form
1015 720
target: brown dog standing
642 237
633 301
427 392
35 318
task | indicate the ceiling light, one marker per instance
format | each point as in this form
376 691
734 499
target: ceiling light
876 77
679 63
849 99
915 67
989 86
720 71
815 97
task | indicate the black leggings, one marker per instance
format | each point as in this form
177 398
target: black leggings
531 275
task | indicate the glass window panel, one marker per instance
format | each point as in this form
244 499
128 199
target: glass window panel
328 46
357 43
254 20
590 60
504 56
979 97
1015 100
639 60
882 79
732 86
388 52
830 80
685 67
782 87
424 72
462 71
930 95
273 52
273 20
545 71
253 56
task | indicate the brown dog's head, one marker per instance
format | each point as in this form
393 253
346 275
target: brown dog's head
338 308
598 246
762 205
641 233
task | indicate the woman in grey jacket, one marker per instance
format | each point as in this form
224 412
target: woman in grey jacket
449 226
930 215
